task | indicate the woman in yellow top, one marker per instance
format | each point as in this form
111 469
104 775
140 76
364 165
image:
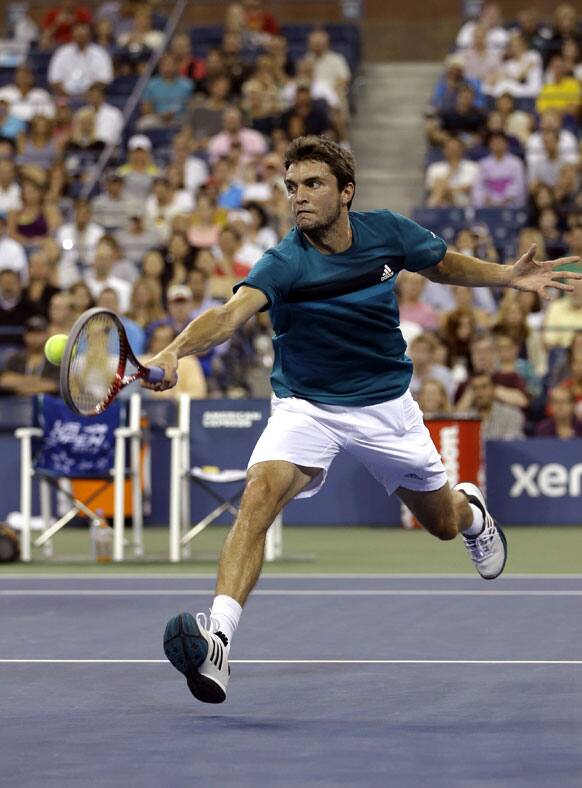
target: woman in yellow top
562 90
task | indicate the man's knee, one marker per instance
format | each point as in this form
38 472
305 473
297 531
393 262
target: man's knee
261 489
262 498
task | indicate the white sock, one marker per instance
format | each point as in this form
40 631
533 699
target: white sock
226 612
478 522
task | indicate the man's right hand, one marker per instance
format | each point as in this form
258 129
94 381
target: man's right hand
168 361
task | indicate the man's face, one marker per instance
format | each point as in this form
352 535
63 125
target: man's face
34 340
6 176
38 266
180 309
483 389
168 67
162 191
465 98
550 141
103 261
507 349
181 45
83 213
318 42
498 146
10 286
420 353
313 192
23 78
231 121
197 283
483 355
95 95
303 99
561 404
109 300
114 187
453 150
60 308
81 35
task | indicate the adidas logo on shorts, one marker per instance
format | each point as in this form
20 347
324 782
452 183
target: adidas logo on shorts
386 273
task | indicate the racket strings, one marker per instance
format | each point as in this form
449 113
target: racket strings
96 365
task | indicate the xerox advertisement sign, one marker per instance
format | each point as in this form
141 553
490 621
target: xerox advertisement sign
537 481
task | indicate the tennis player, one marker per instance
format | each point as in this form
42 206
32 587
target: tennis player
340 380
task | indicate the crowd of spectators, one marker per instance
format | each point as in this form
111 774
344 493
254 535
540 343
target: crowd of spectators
503 172
192 192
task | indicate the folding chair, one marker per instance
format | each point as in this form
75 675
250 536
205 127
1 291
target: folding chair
216 482
65 447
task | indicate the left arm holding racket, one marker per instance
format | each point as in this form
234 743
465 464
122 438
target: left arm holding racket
214 326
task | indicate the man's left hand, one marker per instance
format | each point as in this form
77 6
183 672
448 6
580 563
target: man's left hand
536 276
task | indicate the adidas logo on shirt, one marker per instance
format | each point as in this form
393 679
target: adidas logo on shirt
386 273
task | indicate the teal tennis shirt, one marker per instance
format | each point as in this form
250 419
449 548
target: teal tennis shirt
337 338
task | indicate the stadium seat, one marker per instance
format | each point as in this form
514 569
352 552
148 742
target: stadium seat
62 447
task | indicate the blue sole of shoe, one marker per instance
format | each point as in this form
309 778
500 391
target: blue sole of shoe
186 648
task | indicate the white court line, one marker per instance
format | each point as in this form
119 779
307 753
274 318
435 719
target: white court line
99 592
185 574
302 661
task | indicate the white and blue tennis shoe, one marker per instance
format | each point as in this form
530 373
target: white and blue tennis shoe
201 655
488 550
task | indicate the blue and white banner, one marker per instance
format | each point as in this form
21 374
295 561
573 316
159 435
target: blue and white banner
537 481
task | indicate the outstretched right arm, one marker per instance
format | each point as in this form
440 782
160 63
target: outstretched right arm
214 326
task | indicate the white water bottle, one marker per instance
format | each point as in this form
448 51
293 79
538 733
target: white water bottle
101 539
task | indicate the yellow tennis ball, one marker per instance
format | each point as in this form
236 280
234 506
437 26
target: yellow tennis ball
55 347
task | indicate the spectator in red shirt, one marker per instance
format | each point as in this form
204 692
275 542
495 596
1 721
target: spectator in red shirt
562 422
58 22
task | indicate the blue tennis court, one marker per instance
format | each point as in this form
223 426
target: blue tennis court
336 681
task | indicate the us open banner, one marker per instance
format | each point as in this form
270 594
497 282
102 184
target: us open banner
537 481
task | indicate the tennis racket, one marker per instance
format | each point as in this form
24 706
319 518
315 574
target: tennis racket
98 363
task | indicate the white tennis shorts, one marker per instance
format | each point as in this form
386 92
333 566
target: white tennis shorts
390 439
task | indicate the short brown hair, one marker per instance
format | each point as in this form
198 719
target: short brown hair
339 160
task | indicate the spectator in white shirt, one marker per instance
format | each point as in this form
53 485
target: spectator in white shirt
9 188
490 19
320 89
12 254
450 182
26 100
76 66
78 240
164 204
551 120
329 66
520 75
108 119
546 167
251 142
101 277
480 61
113 209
